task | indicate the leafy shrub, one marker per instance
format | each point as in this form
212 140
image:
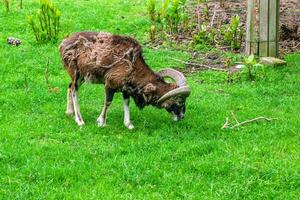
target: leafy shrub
204 36
252 67
151 8
205 9
46 26
233 35
230 35
152 33
173 15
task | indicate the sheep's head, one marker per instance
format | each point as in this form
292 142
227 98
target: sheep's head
174 100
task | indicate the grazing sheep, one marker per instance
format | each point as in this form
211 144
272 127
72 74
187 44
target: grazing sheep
117 62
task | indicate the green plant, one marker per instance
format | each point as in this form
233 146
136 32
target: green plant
151 8
173 15
206 9
152 33
205 35
46 27
6 4
252 67
232 33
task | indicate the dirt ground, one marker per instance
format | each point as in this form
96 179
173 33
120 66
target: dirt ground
289 19
289 28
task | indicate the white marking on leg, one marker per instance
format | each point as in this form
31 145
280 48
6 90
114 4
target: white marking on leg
127 121
70 106
102 118
78 117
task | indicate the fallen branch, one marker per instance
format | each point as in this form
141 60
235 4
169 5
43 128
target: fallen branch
234 117
226 123
237 123
199 65
253 120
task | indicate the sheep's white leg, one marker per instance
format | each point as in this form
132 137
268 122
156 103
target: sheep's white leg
102 118
127 121
108 99
78 117
70 106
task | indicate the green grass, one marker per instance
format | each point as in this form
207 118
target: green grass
45 155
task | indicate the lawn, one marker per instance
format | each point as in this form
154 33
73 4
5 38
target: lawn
45 155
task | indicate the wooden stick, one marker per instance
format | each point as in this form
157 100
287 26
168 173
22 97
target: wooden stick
253 120
226 124
199 65
234 117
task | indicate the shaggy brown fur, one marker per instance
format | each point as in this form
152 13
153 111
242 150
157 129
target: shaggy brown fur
115 61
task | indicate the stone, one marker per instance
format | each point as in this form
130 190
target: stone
272 61
13 41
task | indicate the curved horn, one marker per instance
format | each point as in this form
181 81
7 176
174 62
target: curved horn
177 76
184 91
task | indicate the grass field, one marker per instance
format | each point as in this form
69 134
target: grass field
45 155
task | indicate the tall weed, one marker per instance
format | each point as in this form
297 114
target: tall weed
45 24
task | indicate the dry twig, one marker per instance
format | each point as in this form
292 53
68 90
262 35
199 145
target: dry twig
47 71
234 117
237 123
253 120
226 123
199 65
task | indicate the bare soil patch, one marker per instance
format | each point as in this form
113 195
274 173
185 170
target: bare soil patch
289 28
289 19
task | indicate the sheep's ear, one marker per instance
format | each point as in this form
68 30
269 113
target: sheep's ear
149 88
